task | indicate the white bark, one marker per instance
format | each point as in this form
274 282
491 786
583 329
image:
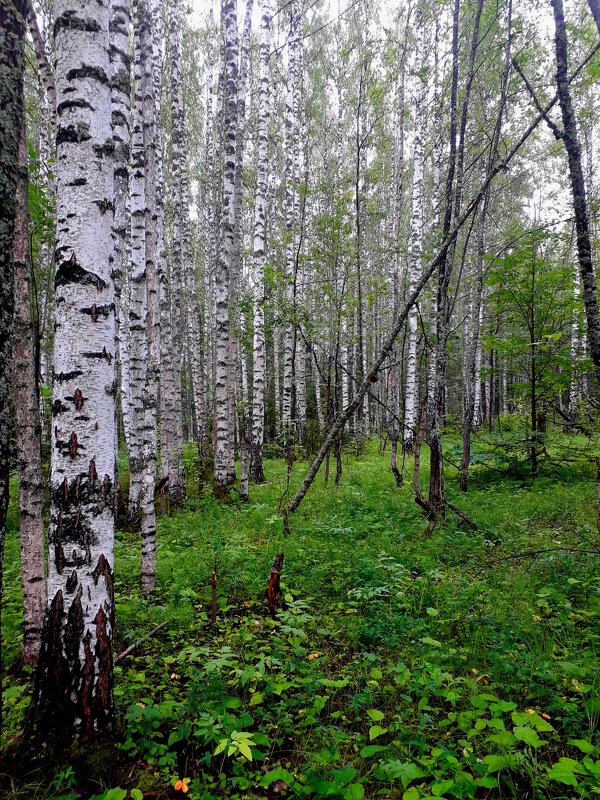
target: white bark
75 674
259 349
416 245
223 420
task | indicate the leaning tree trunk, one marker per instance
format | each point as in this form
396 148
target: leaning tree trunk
74 685
29 428
570 137
12 67
224 262
259 349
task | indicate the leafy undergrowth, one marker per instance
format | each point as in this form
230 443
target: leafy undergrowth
399 665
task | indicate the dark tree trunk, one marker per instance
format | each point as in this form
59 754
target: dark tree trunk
571 140
12 66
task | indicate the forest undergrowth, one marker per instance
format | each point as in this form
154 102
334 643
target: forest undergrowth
460 664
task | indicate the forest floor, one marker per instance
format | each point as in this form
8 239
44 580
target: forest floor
460 664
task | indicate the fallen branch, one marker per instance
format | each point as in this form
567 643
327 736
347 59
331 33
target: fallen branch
135 645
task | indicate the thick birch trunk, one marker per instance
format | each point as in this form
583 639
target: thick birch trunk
74 678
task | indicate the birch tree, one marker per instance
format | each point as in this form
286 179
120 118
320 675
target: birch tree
74 678
224 261
259 350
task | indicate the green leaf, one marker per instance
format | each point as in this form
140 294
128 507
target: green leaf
244 748
496 763
220 747
232 702
256 699
137 794
529 736
375 731
376 673
411 794
115 794
583 745
371 750
375 715
355 791
563 771
438 789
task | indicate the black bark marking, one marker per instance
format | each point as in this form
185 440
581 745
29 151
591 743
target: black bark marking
73 446
72 582
58 407
59 558
72 272
75 103
70 20
88 71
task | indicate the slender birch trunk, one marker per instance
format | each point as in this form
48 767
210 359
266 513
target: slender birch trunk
223 421
29 428
120 101
259 350
290 206
138 308
416 245
171 429
153 243
74 679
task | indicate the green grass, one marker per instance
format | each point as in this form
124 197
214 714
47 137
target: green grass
400 664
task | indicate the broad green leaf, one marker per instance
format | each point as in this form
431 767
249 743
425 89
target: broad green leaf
371 750
529 736
375 731
375 715
564 771
256 699
496 763
355 791
583 745
244 748
137 794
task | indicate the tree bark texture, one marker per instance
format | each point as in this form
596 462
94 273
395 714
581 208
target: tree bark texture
74 679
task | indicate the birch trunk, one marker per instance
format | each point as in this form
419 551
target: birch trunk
223 420
74 680
416 247
153 243
138 308
171 428
29 428
120 101
290 208
259 350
